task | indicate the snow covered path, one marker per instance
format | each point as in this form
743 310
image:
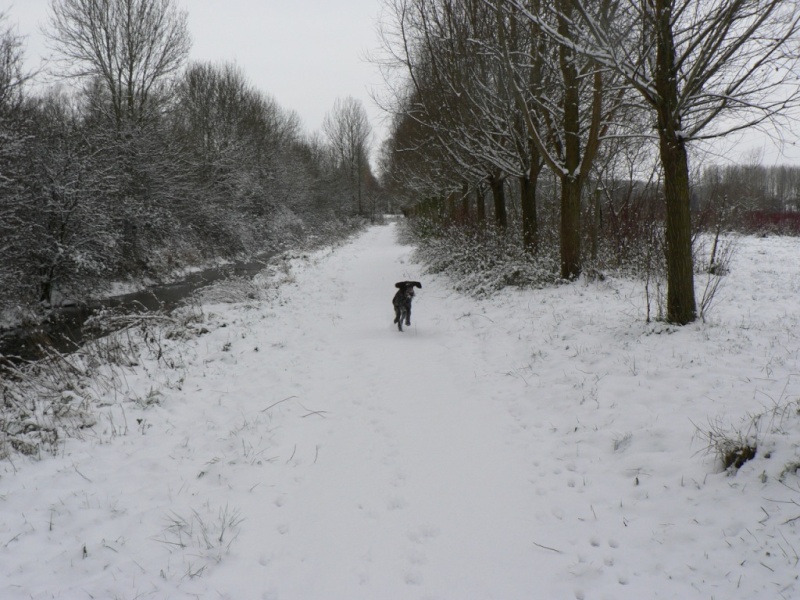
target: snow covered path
538 445
406 480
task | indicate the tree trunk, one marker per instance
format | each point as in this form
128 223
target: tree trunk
46 285
571 180
480 204
465 202
597 223
452 213
681 306
530 226
358 182
570 227
499 196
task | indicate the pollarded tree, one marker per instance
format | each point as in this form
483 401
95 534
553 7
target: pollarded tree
132 46
566 99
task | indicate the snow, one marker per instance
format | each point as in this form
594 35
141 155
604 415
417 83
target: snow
538 444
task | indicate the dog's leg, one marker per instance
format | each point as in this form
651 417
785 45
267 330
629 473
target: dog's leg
400 320
408 315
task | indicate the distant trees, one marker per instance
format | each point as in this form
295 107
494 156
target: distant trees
348 131
743 190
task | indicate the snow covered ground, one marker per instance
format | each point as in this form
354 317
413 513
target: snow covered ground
540 444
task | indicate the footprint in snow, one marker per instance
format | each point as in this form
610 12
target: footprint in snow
422 534
396 503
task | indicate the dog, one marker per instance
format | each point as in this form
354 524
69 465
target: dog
402 302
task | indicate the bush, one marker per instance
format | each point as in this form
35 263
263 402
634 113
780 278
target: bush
480 261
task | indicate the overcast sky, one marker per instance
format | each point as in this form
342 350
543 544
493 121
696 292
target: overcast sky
304 53
307 53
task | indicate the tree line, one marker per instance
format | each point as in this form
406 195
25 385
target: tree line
142 161
575 101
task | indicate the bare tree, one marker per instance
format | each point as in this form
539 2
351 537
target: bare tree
564 100
502 100
459 97
76 246
226 123
704 69
412 167
461 102
348 130
130 45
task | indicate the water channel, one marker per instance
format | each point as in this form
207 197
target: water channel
63 330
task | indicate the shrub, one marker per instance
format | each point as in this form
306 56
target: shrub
480 261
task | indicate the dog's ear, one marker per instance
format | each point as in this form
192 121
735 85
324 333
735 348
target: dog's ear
400 285
416 284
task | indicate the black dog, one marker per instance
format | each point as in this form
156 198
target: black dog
402 302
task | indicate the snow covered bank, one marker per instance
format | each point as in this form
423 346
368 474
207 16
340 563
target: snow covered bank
541 444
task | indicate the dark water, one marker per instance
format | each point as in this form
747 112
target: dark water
63 330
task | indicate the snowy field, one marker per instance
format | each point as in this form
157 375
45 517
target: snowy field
544 444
